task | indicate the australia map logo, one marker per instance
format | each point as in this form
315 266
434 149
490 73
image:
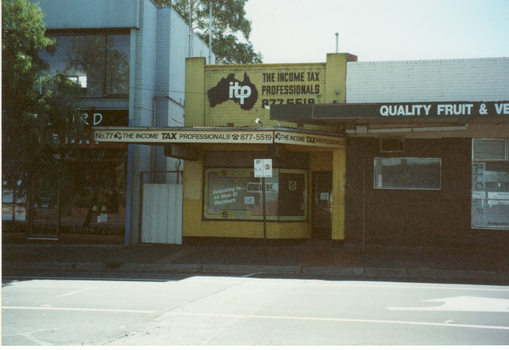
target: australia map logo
242 92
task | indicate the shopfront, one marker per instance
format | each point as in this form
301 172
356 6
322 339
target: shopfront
421 173
224 196
404 165
88 200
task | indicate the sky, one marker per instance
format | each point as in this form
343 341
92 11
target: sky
302 31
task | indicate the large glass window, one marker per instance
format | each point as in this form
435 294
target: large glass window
99 62
235 194
408 173
90 199
490 184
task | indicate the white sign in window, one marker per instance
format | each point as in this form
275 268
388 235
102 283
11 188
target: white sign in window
490 195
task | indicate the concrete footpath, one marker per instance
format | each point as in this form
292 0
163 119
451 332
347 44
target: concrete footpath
309 259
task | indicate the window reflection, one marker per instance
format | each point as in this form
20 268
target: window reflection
98 62
408 173
235 194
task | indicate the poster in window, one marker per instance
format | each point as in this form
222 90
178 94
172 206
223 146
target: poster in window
236 194
490 195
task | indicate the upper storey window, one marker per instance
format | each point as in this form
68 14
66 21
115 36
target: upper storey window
99 62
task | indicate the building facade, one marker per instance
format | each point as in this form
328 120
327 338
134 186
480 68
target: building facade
228 128
462 142
413 153
129 58
427 151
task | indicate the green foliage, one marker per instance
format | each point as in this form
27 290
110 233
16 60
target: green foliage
37 111
229 22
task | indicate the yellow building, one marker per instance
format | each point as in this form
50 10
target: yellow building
228 130
222 195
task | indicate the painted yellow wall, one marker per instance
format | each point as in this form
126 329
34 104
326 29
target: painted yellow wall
265 78
338 194
320 81
335 89
240 229
322 160
195 99
194 226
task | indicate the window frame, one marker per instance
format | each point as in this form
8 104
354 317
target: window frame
376 175
248 217
483 201
106 75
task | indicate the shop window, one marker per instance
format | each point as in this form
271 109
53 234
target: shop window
99 62
236 194
490 184
13 205
408 173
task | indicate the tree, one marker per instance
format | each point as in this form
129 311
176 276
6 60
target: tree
228 23
37 110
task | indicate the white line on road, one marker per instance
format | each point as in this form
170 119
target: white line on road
76 309
32 338
462 303
341 284
339 320
75 292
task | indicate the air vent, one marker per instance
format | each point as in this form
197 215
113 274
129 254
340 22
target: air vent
392 145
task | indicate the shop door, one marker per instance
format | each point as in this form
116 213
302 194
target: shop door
322 205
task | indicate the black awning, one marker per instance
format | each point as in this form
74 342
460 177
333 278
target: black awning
416 113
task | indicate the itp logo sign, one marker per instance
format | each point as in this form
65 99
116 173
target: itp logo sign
242 92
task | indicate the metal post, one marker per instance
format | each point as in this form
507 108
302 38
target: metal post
337 42
264 220
210 33
363 201
59 213
190 29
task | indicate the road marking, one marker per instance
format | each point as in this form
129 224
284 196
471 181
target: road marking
75 292
32 338
462 303
252 274
340 284
322 319
76 309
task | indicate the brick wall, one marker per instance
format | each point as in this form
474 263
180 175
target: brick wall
436 80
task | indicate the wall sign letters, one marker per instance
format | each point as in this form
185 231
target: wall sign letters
403 110
144 136
276 87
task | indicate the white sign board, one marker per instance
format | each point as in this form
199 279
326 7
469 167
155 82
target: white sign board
263 167
130 135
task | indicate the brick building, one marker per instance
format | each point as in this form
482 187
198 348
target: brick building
409 122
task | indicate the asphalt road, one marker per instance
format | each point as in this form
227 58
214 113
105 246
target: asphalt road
208 310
